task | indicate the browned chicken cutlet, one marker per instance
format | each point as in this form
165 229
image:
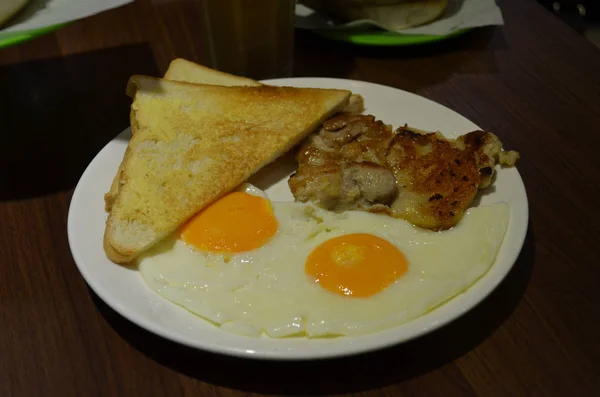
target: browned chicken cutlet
358 163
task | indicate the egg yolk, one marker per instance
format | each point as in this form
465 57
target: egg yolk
237 222
357 265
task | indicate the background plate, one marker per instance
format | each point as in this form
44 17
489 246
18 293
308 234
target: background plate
383 38
124 290
8 39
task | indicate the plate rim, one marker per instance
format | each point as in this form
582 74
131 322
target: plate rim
296 355
386 39
14 38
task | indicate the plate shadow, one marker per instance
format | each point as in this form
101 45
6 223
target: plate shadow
58 113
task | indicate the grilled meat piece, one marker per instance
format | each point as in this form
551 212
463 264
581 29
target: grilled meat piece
358 163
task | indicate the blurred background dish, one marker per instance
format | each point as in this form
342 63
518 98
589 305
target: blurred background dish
13 38
389 14
22 20
384 38
8 8
415 21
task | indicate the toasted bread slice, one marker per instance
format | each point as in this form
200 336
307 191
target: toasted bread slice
190 72
193 143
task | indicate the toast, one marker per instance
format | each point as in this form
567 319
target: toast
190 72
192 143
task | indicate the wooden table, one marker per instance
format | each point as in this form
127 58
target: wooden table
534 82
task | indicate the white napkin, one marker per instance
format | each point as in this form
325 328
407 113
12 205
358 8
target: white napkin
460 14
42 13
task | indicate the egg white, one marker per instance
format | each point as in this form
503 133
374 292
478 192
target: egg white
266 292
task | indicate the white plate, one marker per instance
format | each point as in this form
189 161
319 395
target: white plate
124 290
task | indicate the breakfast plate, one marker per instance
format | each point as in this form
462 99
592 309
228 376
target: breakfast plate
124 290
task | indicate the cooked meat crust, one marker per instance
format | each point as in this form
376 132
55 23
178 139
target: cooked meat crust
358 163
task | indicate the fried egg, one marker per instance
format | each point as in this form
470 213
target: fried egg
283 269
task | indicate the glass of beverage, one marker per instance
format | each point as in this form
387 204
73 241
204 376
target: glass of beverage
252 38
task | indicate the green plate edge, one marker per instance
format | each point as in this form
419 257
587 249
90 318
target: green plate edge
380 38
19 37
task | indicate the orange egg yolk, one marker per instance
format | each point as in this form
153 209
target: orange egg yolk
357 265
237 222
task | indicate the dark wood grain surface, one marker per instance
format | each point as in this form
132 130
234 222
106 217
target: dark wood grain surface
534 82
